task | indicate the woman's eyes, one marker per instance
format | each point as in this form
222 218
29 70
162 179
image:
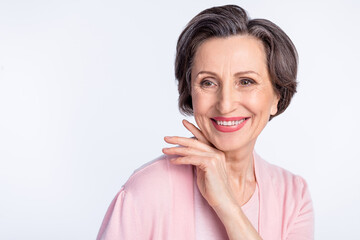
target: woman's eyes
246 82
207 83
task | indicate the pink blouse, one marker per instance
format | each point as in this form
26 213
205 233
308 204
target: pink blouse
160 201
207 224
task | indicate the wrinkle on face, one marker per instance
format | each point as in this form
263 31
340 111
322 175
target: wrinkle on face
225 62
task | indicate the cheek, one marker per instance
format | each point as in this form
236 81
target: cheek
260 102
202 106
200 103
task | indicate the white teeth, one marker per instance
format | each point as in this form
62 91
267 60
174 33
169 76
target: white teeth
230 123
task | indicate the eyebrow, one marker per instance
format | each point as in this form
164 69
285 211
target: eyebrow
236 74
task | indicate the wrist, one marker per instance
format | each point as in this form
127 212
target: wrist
228 212
235 222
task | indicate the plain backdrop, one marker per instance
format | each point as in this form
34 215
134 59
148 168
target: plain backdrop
87 93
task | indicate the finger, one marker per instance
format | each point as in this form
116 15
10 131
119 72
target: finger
184 151
197 132
188 142
200 162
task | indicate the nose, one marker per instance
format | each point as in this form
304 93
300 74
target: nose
226 102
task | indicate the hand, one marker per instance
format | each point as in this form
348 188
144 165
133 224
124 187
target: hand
212 179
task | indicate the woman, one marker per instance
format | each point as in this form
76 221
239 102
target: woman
235 74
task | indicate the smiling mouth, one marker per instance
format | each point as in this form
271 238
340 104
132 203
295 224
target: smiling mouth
232 121
229 123
233 124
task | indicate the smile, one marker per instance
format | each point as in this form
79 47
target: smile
233 124
229 123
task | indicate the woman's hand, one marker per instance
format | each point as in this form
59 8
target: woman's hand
212 179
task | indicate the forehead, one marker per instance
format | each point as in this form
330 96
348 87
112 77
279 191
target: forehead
235 53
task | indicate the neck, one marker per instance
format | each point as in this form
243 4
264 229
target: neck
241 174
240 166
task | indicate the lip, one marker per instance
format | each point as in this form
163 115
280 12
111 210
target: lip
234 128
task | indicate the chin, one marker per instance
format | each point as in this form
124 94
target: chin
233 144
227 145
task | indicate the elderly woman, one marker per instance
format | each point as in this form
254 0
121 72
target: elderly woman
234 74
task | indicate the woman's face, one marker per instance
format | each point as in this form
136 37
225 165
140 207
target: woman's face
232 95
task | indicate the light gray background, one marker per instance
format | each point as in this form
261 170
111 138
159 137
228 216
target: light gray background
87 92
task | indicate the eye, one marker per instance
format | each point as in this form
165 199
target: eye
246 82
207 83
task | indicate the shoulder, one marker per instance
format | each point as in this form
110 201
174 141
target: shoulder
155 179
283 180
144 201
288 195
152 171
155 199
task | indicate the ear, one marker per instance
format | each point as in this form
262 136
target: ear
274 105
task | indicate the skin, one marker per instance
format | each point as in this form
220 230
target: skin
229 79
